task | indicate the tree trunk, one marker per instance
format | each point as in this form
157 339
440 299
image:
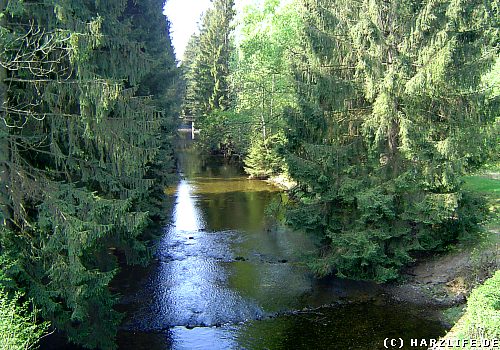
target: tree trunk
262 118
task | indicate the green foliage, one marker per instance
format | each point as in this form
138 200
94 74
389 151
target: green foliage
19 326
262 81
189 75
206 65
224 133
83 143
482 317
393 112
238 94
489 188
265 157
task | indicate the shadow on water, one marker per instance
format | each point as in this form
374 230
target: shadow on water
224 278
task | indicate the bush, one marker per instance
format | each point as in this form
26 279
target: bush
482 318
225 133
264 158
19 328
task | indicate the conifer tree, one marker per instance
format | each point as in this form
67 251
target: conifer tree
79 140
392 115
189 74
207 87
163 85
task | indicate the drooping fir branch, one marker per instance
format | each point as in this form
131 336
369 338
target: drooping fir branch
82 126
392 114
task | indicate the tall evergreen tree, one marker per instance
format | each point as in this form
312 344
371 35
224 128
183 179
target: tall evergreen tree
78 141
392 115
163 85
189 74
207 85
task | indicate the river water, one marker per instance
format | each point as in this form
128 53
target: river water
228 277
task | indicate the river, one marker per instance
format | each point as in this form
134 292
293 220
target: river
228 277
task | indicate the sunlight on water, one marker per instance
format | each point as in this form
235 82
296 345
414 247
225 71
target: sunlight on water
186 215
228 277
213 338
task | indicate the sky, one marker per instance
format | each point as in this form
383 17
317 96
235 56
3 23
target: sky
184 16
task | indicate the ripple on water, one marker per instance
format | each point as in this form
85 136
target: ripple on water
220 264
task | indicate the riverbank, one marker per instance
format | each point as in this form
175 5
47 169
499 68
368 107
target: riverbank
481 321
446 280
282 181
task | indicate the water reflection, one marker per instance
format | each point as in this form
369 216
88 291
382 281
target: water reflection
186 215
353 326
223 269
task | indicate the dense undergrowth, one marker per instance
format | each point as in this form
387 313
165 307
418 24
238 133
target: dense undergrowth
482 316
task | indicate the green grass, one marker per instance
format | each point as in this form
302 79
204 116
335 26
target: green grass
484 251
482 316
483 184
489 188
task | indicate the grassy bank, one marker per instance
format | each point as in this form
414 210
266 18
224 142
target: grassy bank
480 318
488 186
485 253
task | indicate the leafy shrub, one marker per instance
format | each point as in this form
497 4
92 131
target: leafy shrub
264 158
19 328
224 133
482 318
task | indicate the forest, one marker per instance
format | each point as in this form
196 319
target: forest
375 109
372 113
